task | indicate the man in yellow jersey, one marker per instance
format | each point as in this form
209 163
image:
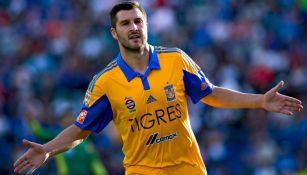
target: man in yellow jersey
144 92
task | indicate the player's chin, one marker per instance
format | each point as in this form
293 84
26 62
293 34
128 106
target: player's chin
136 46
136 43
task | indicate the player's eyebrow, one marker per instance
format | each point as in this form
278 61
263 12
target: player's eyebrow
124 21
127 20
138 19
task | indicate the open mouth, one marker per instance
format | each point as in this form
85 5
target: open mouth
135 36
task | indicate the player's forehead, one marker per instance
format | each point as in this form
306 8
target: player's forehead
129 15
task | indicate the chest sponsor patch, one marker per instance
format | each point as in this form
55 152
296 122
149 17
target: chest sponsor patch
130 104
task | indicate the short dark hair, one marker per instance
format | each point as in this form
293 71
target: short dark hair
126 5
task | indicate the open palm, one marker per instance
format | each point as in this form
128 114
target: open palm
33 158
276 102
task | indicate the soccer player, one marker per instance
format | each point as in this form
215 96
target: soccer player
144 92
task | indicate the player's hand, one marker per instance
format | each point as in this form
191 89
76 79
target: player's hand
32 159
276 102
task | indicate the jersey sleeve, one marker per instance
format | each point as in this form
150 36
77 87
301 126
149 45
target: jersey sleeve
197 86
96 111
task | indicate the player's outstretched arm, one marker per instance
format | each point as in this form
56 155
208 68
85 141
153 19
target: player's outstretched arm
271 101
37 154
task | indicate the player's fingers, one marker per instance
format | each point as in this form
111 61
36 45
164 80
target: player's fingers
286 112
292 109
28 144
19 161
18 167
31 170
292 100
23 167
291 103
298 107
278 86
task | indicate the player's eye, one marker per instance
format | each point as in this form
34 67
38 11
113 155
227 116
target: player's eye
138 21
124 23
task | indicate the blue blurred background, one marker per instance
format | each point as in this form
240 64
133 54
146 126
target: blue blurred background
50 50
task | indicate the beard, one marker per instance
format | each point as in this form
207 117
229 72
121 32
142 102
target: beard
125 43
130 48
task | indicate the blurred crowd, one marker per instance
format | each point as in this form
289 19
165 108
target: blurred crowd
50 50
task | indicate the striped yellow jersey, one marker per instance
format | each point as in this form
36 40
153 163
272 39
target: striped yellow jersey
150 111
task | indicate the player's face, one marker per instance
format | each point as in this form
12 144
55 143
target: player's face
131 29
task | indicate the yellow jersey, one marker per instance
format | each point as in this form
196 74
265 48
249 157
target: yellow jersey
150 111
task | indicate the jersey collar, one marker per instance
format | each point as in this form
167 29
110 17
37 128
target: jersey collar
130 73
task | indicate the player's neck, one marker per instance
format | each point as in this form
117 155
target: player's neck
138 61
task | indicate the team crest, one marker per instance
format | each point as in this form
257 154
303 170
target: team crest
87 98
170 92
130 104
80 119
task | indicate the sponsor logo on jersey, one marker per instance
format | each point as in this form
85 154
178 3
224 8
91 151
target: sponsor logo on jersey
87 98
130 104
170 93
153 138
157 117
80 119
150 99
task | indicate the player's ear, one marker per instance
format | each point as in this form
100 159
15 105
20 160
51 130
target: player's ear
113 32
